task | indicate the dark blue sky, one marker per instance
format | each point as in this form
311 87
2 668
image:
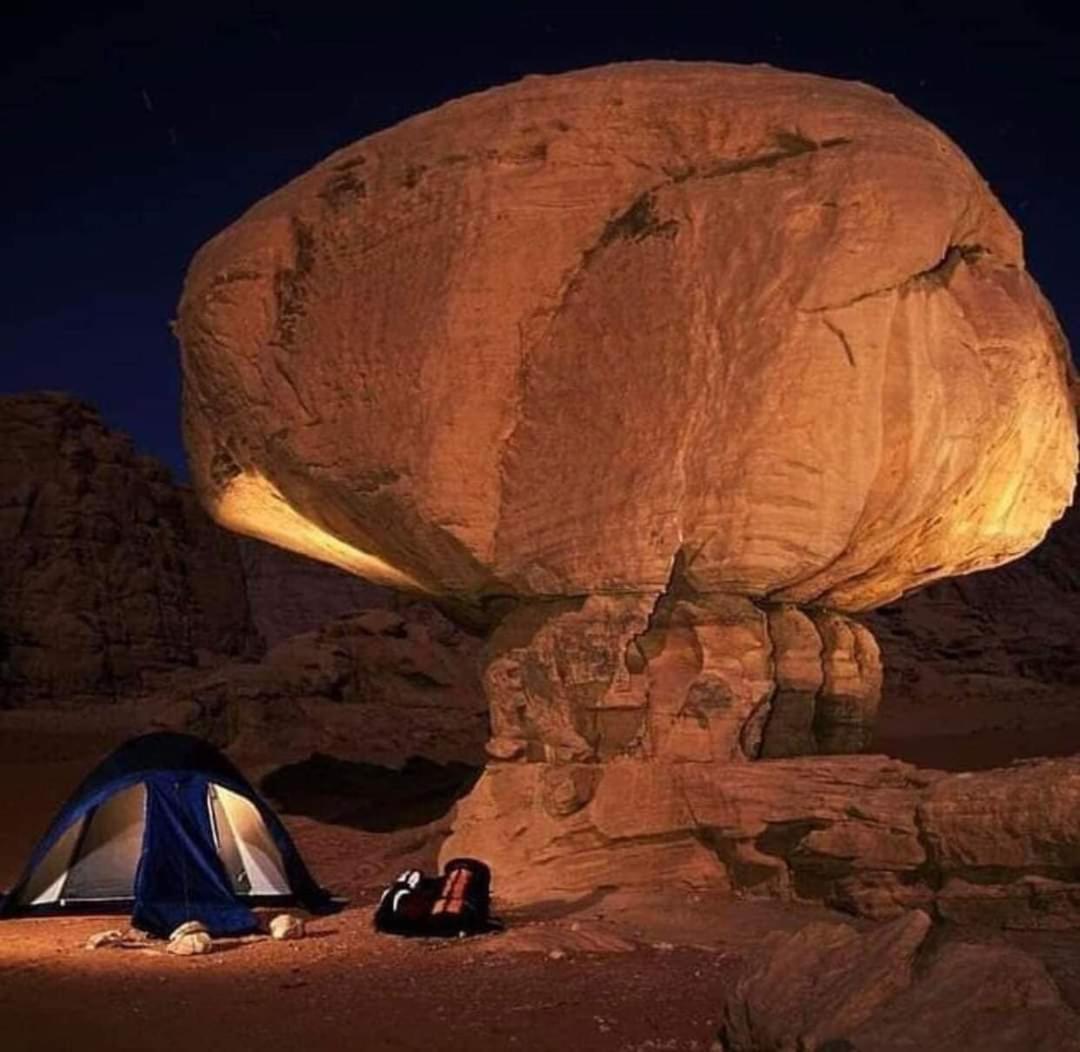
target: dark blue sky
132 134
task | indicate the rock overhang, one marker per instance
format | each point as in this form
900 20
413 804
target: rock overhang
542 340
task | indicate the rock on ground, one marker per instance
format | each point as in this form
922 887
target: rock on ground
866 834
190 939
829 987
105 939
194 944
285 927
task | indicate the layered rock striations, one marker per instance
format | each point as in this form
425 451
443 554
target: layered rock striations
865 834
694 678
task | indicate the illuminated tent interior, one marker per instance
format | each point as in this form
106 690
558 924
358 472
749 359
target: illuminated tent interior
166 827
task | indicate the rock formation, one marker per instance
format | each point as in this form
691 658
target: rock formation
116 587
668 370
378 686
864 834
984 669
110 572
290 595
831 989
690 362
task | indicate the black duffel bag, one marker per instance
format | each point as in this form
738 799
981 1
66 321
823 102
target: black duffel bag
457 903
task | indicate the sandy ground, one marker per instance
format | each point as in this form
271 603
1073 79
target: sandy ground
621 974
610 975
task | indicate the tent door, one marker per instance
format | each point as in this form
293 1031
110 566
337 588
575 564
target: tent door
107 854
47 880
248 852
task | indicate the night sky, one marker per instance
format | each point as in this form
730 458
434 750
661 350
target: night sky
132 135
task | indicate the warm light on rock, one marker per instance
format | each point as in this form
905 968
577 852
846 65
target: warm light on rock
544 338
683 364
249 503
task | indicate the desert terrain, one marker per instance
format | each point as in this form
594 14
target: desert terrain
764 716
615 972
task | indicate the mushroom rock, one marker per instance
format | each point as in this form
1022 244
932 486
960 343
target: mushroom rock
681 365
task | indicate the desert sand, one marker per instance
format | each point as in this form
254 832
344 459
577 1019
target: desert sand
620 978
614 971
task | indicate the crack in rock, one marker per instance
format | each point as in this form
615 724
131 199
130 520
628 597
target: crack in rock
843 340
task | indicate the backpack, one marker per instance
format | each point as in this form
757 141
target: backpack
457 903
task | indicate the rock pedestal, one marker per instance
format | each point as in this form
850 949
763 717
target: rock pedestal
695 678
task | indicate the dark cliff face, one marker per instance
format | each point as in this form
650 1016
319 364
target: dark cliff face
110 571
290 594
986 668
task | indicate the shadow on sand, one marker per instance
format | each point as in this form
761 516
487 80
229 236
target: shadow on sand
366 796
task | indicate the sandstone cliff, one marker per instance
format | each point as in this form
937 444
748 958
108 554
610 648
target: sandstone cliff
111 573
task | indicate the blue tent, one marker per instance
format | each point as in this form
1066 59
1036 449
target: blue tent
168 828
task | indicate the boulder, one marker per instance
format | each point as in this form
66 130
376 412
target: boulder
774 322
831 988
865 834
820 983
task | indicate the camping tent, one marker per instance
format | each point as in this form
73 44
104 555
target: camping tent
170 829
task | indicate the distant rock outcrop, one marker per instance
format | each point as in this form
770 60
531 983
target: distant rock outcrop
830 988
116 587
290 594
110 572
986 668
377 686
